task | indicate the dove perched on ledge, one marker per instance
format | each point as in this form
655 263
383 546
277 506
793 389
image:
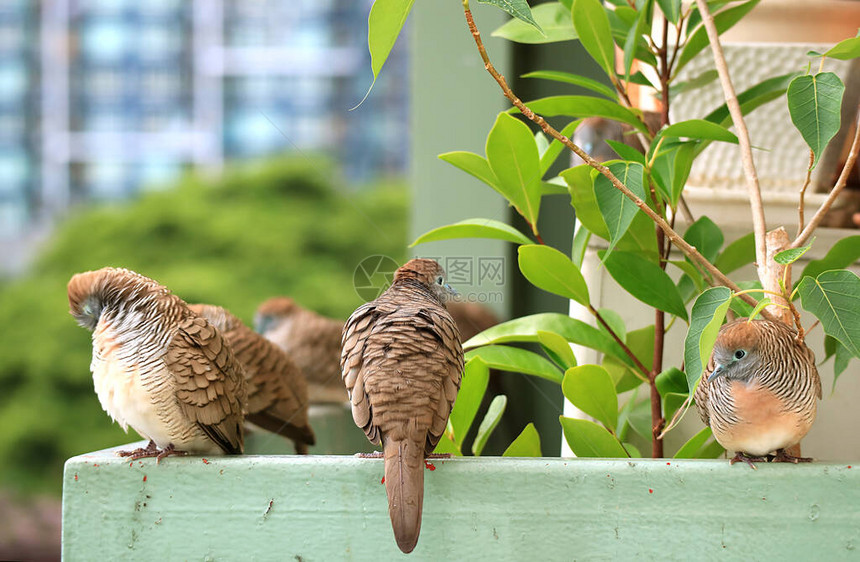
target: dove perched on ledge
402 362
312 342
759 392
276 389
158 367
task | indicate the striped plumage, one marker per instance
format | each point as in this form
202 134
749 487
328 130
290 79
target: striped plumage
157 366
311 340
402 362
759 392
276 389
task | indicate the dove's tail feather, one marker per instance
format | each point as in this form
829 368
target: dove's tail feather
404 483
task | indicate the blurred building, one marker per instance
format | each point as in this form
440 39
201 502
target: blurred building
100 99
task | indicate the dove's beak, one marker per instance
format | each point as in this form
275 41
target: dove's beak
451 290
717 372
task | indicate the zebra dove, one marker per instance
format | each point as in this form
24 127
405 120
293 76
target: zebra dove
276 389
758 393
311 340
402 362
158 367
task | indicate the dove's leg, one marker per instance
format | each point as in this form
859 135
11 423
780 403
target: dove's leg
150 450
740 456
782 456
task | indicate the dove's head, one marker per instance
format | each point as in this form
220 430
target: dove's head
272 312
737 354
429 273
93 292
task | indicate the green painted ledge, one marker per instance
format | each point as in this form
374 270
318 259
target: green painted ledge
334 508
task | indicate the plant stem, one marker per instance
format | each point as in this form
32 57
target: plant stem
657 421
800 203
675 238
759 223
837 189
644 374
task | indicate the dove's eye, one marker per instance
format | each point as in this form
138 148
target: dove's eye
440 280
740 354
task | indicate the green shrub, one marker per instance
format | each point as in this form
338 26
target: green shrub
275 227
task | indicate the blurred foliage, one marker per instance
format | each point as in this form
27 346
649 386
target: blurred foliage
274 227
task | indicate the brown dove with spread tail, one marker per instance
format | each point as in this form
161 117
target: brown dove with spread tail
159 367
311 340
759 392
276 389
402 362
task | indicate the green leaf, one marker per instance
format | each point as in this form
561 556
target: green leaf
697 446
587 439
446 446
700 129
841 357
634 36
550 270
706 237
557 348
585 106
542 143
791 255
513 156
699 81
527 444
639 419
517 8
474 228
552 17
383 26
590 388
752 98
842 254
614 321
690 274
671 380
575 79
814 103
632 451
617 210
516 360
834 298
592 27
526 328
620 21
553 186
581 238
645 281
476 376
473 164
845 49
583 200
671 168
640 238
626 152
723 20
737 254
555 148
641 343
707 316
742 309
671 9
489 423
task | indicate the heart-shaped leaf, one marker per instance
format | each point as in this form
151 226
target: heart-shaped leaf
814 103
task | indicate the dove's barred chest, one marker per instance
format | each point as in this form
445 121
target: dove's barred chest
784 389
